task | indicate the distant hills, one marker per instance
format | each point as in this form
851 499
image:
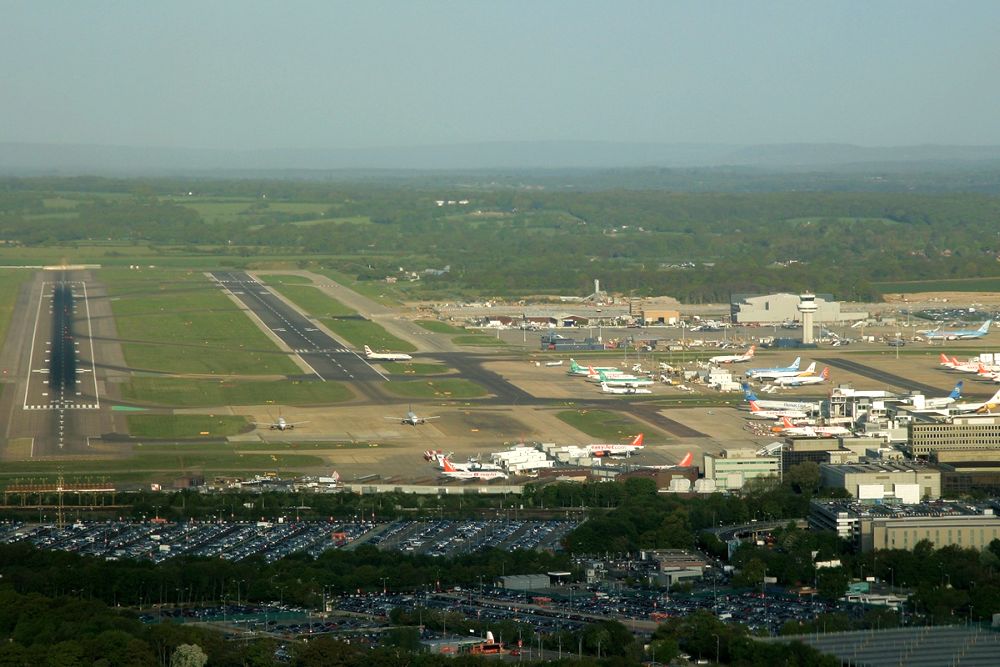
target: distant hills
34 159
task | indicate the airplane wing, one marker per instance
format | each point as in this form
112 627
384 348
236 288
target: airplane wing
295 423
427 419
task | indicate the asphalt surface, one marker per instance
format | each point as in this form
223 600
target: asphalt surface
884 377
328 359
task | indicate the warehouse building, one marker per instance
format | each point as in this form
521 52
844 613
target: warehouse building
784 307
879 480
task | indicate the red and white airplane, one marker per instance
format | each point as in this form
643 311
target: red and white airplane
953 364
732 358
616 449
449 470
757 412
683 463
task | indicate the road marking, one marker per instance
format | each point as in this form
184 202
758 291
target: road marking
90 336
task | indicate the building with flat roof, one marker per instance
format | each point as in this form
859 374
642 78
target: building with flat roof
858 479
932 434
734 467
784 307
869 527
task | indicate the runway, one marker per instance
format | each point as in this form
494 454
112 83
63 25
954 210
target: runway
327 358
57 397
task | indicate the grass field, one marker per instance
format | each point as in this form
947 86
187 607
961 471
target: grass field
437 326
841 221
602 424
359 331
10 284
179 427
313 301
380 292
179 322
182 392
954 285
448 387
411 368
478 340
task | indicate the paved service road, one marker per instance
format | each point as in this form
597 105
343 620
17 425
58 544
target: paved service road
325 357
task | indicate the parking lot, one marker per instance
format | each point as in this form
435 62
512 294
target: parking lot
236 541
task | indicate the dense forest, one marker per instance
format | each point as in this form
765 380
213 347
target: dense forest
514 242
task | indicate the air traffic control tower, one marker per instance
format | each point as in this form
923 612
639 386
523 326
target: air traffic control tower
807 307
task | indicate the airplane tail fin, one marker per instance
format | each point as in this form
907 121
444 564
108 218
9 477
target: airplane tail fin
446 465
748 393
944 360
786 422
637 442
956 393
986 326
795 364
753 405
368 350
751 351
686 461
955 362
826 373
811 368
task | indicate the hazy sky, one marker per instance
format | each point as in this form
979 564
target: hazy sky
329 74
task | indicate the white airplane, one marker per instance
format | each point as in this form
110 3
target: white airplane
385 356
788 428
616 449
802 380
683 463
577 369
987 406
411 418
732 358
594 375
774 374
757 412
756 372
449 470
941 401
953 364
607 389
623 380
280 425
805 406
958 334
438 457
988 373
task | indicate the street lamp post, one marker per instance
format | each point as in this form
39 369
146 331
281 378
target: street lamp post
717 643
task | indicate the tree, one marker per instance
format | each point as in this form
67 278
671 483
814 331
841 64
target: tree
831 583
188 655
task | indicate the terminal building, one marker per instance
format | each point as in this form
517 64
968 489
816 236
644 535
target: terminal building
967 432
784 307
869 527
909 482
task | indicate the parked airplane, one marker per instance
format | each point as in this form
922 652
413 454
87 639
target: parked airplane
385 356
280 425
757 412
554 363
623 390
411 418
438 457
596 375
616 449
788 428
802 379
942 401
958 334
449 470
774 374
732 358
577 369
755 372
806 406
624 381
683 463
989 405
